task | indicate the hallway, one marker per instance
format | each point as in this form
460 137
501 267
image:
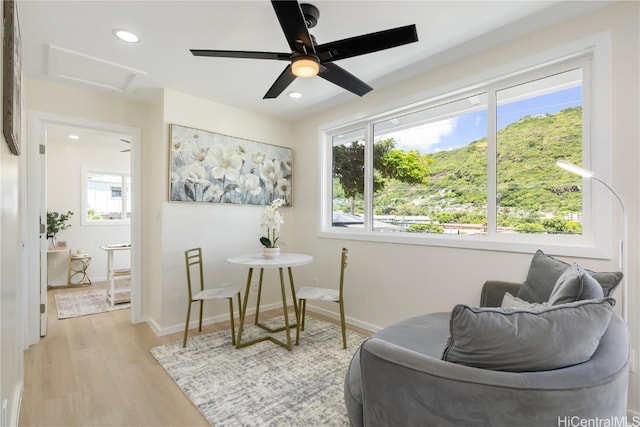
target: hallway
97 371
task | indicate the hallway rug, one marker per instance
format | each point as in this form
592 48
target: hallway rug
264 384
83 303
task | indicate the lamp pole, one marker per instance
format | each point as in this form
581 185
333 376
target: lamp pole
622 250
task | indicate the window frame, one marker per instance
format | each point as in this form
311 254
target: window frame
125 195
593 55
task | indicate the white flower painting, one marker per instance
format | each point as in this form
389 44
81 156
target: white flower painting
213 168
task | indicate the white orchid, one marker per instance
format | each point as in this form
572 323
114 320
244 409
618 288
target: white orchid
271 220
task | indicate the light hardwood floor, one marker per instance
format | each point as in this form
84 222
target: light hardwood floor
97 371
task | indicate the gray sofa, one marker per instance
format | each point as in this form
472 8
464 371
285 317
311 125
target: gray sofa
398 378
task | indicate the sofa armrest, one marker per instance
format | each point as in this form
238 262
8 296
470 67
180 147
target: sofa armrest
402 387
493 291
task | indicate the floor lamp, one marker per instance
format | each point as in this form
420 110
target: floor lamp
622 257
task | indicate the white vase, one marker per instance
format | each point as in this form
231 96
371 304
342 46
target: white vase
270 252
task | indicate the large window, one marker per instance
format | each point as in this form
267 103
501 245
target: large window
476 164
106 197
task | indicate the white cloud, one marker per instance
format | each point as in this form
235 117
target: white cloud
424 138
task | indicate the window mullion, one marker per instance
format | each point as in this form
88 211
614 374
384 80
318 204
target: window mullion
492 156
368 173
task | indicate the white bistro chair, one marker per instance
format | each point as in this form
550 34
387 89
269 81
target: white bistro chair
193 260
324 294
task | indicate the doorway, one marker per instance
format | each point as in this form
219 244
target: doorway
63 164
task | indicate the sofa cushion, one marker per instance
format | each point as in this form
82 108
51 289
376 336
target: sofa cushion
510 301
573 285
544 272
524 340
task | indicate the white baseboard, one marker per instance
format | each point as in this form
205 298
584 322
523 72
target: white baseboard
350 320
160 331
168 330
13 414
633 418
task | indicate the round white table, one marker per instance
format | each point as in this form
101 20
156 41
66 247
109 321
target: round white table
285 260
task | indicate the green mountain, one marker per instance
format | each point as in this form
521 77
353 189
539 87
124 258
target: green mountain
529 184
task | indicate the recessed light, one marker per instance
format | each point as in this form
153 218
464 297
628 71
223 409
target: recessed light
72 136
126 36
294 95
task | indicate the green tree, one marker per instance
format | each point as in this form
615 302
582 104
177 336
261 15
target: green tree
389 163
530 227
425 228
348 169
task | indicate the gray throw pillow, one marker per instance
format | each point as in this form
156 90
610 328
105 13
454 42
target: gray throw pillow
573 285
509 300
525 340
544 272
591 288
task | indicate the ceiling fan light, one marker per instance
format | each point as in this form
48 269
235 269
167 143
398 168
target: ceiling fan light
305 66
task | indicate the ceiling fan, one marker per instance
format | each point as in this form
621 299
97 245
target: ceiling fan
308 59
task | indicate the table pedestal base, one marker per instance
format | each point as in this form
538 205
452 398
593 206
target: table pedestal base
287 326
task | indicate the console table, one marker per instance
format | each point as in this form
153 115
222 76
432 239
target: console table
285 260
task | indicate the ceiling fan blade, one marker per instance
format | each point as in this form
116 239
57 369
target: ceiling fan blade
293 24
241 54
341 77
367 43
281 83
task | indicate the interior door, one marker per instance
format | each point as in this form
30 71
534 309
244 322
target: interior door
44 312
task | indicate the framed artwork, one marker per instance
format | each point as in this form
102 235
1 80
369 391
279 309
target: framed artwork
11 77
214 168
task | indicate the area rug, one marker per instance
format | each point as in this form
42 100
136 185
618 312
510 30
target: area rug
264 384
83 303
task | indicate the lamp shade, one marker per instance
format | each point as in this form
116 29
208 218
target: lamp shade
568 166
305 66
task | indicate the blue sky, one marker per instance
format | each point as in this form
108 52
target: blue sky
458 132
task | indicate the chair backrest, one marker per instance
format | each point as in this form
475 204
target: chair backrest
193 262
343 265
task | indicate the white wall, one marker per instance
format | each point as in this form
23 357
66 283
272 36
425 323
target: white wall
221 230
389 282
65 162
12 294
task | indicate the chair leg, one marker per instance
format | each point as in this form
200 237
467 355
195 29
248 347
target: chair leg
343 324
233 328
186 326
298 320
200 325
304 310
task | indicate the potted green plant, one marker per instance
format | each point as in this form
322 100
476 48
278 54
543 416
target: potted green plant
57 222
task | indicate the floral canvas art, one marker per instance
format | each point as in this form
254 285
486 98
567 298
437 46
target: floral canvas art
214 168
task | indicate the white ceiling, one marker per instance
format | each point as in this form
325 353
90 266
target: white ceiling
94 137
74 38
